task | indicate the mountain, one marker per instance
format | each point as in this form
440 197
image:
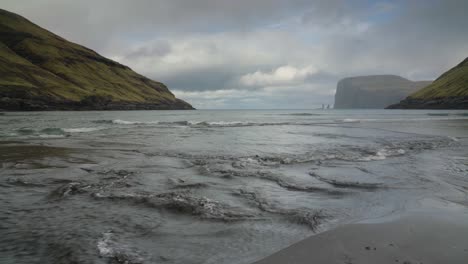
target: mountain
449 91
42 71
374 92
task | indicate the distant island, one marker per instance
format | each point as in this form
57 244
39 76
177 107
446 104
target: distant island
42 71
449 91
374 92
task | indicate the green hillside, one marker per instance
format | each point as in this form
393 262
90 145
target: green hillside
449 91
452 83
40 71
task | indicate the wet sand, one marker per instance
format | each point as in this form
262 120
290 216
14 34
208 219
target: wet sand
13 151
411 239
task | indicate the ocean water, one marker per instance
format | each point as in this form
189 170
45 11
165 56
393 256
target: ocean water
215 186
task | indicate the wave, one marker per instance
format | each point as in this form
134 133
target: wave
346 184
345 154
263 167
309 218
23 183
383 154
182 202
350 120
183 184
68 189
51 132
25 131
227 124
117 253
82 129
103 121
109 179
214 124
302 114
124 122
279 180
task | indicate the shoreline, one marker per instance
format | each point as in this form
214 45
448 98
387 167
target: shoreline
413 238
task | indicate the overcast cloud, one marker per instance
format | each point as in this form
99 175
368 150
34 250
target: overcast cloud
262 53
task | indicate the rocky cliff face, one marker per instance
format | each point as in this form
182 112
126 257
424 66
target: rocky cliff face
42 71
373 92
449 91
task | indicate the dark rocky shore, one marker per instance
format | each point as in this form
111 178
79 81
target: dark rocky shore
440 103
95 103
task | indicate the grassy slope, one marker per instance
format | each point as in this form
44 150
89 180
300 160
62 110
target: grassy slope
453 83
36 62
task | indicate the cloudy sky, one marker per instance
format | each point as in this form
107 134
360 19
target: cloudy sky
262 53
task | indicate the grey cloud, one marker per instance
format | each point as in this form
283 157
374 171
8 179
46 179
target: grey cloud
200 79
94 23
157 49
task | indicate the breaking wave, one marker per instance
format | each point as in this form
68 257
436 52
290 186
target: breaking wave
182 202
109 248
302 114
307 217
82 129
68 189
218 124
228 124
348 184
50 132
345 154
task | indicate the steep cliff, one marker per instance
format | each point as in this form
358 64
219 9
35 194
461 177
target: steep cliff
373 92
42 71
449 91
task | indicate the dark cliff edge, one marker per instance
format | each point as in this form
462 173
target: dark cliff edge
41 71
446 103
449 91
373 92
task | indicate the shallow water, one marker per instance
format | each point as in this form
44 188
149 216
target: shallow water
214 186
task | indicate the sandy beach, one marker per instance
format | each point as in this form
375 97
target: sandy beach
421 238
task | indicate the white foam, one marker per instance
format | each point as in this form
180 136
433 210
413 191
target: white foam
225 123
103 245
125 122
49 136
384 153
349 120
82 129
213 123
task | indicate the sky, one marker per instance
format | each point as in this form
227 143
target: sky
262 54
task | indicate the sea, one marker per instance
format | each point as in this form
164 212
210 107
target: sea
215 186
